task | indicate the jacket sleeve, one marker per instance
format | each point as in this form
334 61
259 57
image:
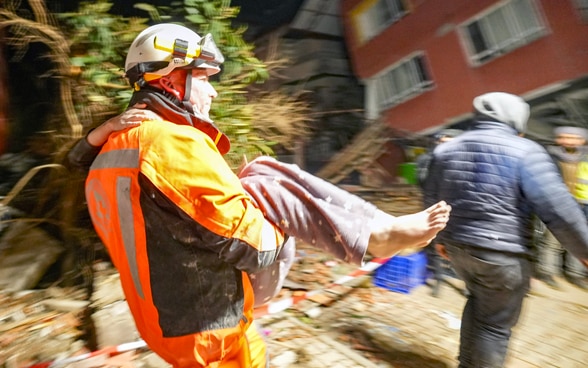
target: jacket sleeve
429 184
81 155
185 165
552 202
422 168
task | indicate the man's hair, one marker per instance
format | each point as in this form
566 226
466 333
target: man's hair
571 130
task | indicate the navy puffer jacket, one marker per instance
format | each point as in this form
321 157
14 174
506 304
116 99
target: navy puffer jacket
494 181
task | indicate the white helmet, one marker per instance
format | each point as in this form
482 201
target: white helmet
504 107
161 48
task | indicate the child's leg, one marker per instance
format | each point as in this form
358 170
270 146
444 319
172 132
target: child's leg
323 215
309 208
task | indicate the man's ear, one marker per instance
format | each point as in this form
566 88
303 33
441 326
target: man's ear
168 85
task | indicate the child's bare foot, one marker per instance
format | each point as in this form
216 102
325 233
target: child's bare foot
392 234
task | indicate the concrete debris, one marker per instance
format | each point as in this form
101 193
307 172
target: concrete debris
31 331
114 325
26 252
50 326
285 359
354 325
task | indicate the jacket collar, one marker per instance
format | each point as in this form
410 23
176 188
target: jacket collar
165 108
488 124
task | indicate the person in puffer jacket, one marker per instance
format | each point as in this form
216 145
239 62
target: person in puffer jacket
495 180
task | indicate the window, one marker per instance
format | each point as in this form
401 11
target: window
378 16
503 29
406 79
582 6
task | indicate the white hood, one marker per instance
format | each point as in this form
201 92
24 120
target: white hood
504 107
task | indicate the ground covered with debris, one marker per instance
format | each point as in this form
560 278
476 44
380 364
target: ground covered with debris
329 314
43 322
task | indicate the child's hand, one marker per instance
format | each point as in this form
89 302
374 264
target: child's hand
131 117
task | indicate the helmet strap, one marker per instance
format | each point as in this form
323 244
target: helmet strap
187 93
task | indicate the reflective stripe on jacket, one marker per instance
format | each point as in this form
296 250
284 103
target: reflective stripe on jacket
581 189
183 234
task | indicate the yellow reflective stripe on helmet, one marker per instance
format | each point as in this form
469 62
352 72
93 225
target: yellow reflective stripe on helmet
218 137
167 45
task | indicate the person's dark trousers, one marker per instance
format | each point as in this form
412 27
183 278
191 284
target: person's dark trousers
434 267
497 284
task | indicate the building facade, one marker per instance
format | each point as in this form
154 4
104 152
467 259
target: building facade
422 61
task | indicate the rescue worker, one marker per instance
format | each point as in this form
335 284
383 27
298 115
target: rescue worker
187 234
569 153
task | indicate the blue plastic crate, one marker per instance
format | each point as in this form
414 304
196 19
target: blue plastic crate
402 273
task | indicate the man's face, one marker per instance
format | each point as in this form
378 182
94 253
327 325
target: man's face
202 92
570 140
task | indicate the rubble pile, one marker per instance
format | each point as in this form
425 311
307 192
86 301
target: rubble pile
51 326
58 327
40 326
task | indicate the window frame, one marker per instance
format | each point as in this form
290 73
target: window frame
418 74
582 9
365 17
519 33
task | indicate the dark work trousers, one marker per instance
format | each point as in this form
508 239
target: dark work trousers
307 208
497 283
434 267
439 269
551 255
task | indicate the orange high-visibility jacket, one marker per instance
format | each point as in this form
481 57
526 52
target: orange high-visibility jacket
183 234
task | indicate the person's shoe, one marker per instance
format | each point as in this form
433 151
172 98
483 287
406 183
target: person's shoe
549 280
578 281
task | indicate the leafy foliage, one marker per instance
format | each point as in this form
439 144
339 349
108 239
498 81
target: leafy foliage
98 43
94 45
